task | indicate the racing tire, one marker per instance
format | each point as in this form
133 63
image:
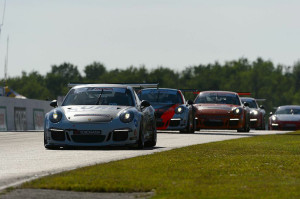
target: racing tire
153 140
246 127
141 141
263 124
190 127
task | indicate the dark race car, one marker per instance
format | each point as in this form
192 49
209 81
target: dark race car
221 110
257 113
285 118
171 109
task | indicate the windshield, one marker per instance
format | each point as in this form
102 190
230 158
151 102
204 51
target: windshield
217 98
251 102
161 96
281 110
99 96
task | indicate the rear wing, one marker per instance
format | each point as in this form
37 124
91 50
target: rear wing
194 91
260 100
138 86
248 94
244 93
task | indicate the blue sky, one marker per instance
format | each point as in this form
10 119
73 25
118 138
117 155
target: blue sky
170 33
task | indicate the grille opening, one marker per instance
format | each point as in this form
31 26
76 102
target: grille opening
213 123
174 122
120 135
233 122
58 135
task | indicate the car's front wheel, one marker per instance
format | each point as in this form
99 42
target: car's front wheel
141 141
153 140
190 127
246 127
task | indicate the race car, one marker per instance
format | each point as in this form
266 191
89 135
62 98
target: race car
257 113
100 115
221 110
172 111
285 118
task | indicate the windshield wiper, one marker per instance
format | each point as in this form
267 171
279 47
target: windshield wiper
99 98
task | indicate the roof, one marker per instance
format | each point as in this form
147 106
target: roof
101 85
289 106
172 89
247 98
228 92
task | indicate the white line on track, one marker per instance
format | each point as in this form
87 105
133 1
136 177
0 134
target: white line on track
23 156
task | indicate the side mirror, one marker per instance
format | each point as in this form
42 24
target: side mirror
246 104
190 102
262 107
145 104
54 103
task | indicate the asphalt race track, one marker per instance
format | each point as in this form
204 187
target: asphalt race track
23 156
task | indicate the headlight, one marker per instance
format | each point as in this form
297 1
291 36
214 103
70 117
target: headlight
55 116
273 118
254 112
237 110
126 116
179 110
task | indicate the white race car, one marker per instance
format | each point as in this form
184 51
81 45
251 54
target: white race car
100 115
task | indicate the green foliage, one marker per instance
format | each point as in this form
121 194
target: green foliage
94 71
59 77
278 84
257 167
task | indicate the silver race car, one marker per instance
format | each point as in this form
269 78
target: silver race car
100 115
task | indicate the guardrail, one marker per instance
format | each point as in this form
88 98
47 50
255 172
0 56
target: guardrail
22 114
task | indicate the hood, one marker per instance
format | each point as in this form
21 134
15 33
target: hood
213 108
160 109
92 113
288 117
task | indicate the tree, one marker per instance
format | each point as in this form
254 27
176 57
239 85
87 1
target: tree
94 71
59 77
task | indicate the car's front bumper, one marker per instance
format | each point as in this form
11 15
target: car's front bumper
172 124
219 122
284 126
82 134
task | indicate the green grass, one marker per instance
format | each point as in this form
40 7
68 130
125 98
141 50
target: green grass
256 167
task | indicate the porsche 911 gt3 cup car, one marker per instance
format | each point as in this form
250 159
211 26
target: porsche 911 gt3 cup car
100 115
221 110
172 111
257 113
286 118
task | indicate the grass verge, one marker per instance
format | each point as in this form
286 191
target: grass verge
256 167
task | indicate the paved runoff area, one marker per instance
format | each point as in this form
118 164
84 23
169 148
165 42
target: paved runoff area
23 156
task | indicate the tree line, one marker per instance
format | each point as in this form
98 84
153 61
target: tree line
279 85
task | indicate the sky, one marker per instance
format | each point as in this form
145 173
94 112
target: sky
168 33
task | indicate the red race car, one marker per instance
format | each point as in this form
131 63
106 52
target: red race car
221 110
285 118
